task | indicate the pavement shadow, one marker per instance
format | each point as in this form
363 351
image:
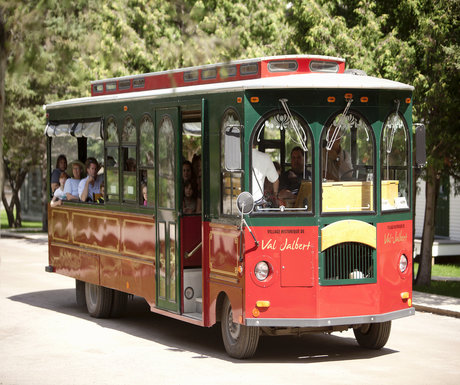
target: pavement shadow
180 337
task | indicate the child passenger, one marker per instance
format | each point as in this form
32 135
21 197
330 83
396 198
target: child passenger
192 204
144 193
59 194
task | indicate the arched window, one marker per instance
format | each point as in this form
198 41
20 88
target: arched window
147 161
166 159
112 160
347 164
128 148
394 159
231 173
282 143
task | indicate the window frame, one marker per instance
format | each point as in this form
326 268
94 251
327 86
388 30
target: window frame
408 166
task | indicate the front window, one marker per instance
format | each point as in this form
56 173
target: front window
347 164
395 165
281 164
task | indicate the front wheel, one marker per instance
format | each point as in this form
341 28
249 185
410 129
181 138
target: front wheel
240 341
373 336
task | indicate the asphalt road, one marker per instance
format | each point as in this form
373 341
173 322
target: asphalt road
46 339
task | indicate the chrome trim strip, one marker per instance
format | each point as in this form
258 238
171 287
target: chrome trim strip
337 321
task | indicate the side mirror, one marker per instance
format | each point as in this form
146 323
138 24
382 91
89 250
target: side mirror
245 203
420 145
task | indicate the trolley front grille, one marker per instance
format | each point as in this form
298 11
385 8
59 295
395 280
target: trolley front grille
348 263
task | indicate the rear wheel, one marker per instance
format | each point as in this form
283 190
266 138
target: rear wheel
98 300
240 341
373 336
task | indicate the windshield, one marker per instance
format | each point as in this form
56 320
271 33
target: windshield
281 164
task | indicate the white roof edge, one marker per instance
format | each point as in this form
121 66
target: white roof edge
305 81
242 61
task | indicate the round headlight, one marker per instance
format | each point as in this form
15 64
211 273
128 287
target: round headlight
403 263
262 270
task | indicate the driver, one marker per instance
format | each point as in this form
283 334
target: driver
338 160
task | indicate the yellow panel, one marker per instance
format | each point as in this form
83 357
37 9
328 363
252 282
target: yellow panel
390 191
347 196
348 231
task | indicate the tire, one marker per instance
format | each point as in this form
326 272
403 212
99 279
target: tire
80 295
240 341
119 304
98 300
373 336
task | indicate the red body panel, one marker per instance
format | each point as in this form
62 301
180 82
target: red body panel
293 288
115 250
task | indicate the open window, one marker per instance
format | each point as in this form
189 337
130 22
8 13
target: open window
282 142
394 159
347 163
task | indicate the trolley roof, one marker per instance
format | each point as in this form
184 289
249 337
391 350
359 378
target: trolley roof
279 72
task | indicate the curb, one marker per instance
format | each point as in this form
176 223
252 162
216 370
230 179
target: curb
437 311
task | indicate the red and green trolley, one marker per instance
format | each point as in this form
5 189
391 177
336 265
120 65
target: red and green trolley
333 252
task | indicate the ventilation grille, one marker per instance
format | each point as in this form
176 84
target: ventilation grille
348 263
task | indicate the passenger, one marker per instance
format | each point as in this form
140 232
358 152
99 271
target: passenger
269 188
192 203
61 166
144 193
59 194
71 184
187 174
100 198
92 183
290 180
263 167
130 164
338 166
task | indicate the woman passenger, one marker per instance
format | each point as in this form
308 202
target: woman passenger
61 166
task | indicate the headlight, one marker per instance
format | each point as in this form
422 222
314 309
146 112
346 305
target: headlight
262 270
403 263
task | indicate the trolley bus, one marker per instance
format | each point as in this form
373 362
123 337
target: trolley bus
324 245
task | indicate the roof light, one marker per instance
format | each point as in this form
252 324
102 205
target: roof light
331 99
254 99
364 99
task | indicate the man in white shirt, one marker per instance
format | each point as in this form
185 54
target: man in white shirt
263 167
92 183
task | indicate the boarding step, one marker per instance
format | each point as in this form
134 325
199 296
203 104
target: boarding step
199 305
196 316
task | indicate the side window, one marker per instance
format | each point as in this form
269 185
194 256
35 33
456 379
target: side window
128 150
347 164
166 162
281 164
147 162
394 159
112 160
231 173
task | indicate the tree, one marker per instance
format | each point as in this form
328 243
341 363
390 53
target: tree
416 42
40 53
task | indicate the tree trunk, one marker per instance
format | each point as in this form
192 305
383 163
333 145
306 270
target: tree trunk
432 190
8 208
3 60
